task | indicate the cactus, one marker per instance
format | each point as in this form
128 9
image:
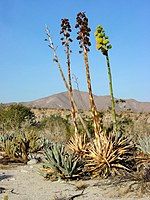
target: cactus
103 44
65 165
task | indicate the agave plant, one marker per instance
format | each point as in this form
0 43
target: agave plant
19 145
107 154
56 60
103 44
144 144
84 42
65 31
78 144
143 156
63 164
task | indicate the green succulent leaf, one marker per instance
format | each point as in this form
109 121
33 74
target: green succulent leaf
64 164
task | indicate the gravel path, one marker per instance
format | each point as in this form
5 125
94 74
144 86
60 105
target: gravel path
24 183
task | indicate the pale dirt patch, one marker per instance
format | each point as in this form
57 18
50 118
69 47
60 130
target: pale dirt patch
24 183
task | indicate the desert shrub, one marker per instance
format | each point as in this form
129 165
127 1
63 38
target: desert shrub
125 124
139 182
60 163
56 128
141 178
19 145
141 127
89 124
14 116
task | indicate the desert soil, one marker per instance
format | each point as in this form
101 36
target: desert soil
23 182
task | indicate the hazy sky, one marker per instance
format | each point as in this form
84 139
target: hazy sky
27 71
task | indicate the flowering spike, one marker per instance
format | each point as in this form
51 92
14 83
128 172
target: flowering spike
65 31
84 31
102 41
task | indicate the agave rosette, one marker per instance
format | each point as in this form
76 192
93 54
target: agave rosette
63 164
107 154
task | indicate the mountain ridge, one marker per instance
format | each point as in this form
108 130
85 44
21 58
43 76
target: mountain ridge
61 101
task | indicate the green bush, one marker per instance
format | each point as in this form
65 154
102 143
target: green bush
56 128
14 116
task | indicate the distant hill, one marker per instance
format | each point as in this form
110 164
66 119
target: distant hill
61 101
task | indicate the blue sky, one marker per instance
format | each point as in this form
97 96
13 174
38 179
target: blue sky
27 71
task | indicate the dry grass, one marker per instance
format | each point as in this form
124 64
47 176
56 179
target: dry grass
81 185
5 197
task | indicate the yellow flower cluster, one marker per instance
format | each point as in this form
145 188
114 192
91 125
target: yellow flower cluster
102 41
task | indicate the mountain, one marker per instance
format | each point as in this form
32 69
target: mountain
61 101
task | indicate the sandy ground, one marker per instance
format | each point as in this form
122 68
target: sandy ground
24 183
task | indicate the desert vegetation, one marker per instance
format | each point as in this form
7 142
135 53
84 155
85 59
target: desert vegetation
78 145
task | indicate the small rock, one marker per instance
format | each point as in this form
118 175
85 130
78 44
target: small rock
12 179
32 162
24 171
148 120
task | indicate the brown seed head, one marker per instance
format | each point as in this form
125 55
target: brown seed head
65 31
84 31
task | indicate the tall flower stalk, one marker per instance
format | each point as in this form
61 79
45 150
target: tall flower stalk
84 42
56 60
65 31
103 44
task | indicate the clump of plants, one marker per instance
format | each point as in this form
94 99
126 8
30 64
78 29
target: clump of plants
13 117
19 145
56 128
105 152
110 155
62 164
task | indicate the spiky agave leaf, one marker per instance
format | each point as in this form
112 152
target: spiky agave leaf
107 155
143 156
78 144
144 144
65 165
